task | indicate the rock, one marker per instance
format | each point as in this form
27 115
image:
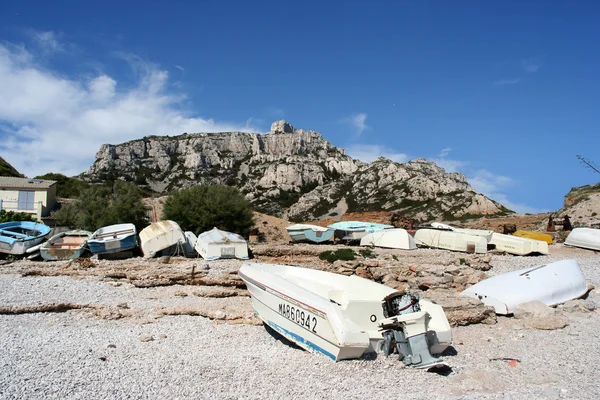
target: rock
164 259
122 305
363 272
220 314
180 294
111 346
389 277
590 304
162 336
146 338
574 306
537 315
462 310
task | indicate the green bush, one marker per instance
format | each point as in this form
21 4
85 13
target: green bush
367 253
65 187
9 216
339 254
99 206
203 207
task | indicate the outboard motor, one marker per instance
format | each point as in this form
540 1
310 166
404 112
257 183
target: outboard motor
405 330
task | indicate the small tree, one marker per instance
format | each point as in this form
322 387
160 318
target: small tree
66 187
99 206
9 216
202 208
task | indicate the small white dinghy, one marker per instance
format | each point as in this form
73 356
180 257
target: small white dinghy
551 284
309 233
160 236
518 245
396 238
215 244
344 317
587 238
450 240
487 234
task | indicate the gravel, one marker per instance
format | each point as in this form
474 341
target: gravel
78 355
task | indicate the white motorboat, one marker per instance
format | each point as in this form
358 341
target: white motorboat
587 238
487 234
518 245
396 238
344 317
551 284
450 240
161 237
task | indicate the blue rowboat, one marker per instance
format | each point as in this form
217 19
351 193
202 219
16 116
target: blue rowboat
17 237
309 233
113 239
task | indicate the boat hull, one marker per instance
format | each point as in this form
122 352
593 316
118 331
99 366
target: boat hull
450 240
586 238
390 238
114 245
518 245
551 284
309 235
65 246
160 237
19 236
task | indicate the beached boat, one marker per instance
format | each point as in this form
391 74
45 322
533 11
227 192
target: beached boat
587 238
17 237
162 236
487 234
551 284
518 245
345 317
309 233
355 230
450 240
190 242
396 238
544 237
65 245
215 244
113 239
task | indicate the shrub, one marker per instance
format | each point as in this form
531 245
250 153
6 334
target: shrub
367 253
203 207
65 187
340 254
9 216
99 206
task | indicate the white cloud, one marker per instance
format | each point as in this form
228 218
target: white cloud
179 67
370 152
358 122
47 41
531 65
54 123
503 82
445 152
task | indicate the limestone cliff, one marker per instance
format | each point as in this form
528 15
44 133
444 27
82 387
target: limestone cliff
291 172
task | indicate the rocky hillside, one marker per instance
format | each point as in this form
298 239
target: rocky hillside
7 170
292 173
582 205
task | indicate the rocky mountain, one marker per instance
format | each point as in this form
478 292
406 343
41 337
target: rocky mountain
582 205
8 170
292 173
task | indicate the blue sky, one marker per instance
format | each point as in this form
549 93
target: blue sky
506 92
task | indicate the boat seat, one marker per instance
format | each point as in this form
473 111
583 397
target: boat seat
12 234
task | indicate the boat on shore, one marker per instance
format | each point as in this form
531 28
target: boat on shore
487 234
450 240
551 284
215 244
586 238
518 245
113 239
544 237
65 245
395 238
355 230
344 317
309 233
17 237
162 236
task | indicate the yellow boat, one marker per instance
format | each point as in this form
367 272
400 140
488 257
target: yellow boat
544 237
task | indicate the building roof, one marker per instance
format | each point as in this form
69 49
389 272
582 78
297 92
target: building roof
9 182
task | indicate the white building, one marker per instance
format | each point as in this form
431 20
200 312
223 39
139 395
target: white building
24 195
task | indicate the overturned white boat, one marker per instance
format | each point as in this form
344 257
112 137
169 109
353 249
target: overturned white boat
449 240
518 245
309 233
551 284
355 230
389 238
161 236
487 234
344 317
216 243
587 238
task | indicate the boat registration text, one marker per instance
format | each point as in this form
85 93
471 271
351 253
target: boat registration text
299 316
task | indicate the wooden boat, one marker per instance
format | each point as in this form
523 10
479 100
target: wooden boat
17 237
396 238
551 284
215 244
544 237
65 245
355 230
518 245
587 238
487 234
450 240
163 236
309 233
113 239
345 317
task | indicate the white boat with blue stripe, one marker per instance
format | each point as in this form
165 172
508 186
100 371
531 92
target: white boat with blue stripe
344 317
